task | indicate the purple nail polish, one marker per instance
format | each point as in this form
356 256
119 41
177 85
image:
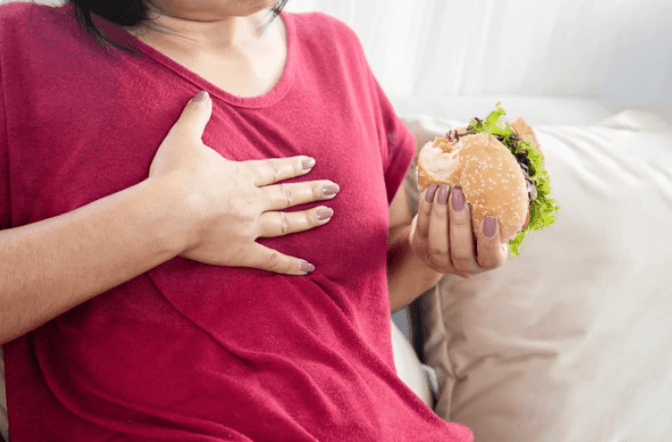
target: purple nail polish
331 190
489 226
324 214
306 267
458 200
200 96
431 190
442 198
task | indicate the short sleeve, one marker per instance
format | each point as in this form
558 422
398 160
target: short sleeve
397 141
400 146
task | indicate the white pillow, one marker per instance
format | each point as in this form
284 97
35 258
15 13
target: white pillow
408 366
572 340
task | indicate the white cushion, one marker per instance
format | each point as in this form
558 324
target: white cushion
572 340
408 366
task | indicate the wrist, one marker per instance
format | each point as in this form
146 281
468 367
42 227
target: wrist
175 222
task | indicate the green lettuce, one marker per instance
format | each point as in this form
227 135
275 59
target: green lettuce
543 209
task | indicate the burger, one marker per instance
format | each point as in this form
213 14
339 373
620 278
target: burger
501 171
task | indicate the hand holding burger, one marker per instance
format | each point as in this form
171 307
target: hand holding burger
495 173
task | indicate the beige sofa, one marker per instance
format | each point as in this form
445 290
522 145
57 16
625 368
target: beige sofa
572 340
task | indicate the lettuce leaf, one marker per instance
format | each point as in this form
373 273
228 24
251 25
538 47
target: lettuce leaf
543 209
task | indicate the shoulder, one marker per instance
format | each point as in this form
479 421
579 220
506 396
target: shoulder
14 14
34 35
327 41
14 9
22 20
324 29
323 23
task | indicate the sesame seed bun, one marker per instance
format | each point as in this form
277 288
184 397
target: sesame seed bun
488 174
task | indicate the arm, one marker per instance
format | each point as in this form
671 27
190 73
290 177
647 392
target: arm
438 240
56 264
407 275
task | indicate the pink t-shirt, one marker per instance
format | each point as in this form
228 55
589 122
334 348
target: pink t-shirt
189 351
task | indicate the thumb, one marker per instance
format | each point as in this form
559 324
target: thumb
187 131
196 114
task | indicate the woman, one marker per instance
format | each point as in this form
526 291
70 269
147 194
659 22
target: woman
154 285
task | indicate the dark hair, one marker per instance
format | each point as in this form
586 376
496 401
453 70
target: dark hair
127 13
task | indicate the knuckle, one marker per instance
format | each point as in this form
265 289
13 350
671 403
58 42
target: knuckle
424 211
462 262
312 219
276 170
436 250
419 246
438 213
284 223
287 194
461 220
491 259
440 265
488 263
274 262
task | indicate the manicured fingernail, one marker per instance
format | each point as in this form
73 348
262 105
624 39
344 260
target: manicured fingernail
308 163
458 200
331 190
431 190
442 198
201 96
489 226
324 214
306 267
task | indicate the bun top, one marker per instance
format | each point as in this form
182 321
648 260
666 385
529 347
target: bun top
487 172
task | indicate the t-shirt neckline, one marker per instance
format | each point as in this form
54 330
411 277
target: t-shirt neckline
278 91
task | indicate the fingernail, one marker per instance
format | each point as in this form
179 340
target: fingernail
330 190
308 163
458 200
201 96
489 226
442 198
306 267
324 214
431 190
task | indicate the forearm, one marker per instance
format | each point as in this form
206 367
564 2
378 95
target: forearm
51 266
408 276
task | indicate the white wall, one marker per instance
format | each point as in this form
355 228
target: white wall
605 49
608 49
